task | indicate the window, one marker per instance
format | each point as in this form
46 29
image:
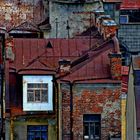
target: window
123 19
37 132
37 93
130 16
92 126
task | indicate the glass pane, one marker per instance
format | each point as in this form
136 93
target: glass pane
44 135
37 85
37 95
30 85
37 132
97 129
44 128
45 86
30 96
44 96
86 129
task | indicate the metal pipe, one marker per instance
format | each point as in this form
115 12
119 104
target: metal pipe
71 107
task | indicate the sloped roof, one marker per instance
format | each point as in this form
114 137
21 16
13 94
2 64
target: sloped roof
26 26
130 4
33 57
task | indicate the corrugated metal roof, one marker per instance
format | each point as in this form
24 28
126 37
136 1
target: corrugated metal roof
33 57
130 4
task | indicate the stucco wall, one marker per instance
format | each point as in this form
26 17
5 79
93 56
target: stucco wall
101 99
20 128
78 22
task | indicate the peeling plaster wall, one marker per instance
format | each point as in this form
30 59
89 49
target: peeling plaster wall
101 99
78 22
20 128
13 13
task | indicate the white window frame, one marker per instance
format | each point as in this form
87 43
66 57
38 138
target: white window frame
38 106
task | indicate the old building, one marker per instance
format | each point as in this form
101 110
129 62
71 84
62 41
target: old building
63 88
129 25
67 86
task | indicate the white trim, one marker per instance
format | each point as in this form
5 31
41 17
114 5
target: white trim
38 106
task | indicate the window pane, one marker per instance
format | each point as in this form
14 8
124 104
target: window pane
29 85
37 95
30 96
37 132
45 86
44 96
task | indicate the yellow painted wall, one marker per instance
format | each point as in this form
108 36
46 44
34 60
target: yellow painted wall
123 118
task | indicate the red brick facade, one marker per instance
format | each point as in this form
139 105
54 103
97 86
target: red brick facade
101 99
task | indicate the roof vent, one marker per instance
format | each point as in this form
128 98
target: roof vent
49 45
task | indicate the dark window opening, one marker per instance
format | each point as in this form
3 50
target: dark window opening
133 15
37 132
92 126
26 35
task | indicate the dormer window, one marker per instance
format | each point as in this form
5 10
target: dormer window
37 93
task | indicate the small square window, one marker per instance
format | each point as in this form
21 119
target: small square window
37 132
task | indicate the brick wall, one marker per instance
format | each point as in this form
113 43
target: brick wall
101 99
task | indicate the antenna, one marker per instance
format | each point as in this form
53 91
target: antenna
56 22
68 28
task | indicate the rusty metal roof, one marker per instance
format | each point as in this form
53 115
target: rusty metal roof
33 56
130 4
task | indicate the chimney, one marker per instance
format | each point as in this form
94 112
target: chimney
64 66
115 66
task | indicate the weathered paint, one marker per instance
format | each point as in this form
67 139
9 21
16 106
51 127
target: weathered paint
19 127
123 118
101 99
13 13
75 14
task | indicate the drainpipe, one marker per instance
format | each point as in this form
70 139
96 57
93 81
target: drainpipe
2 39
71 107
11 129
59 112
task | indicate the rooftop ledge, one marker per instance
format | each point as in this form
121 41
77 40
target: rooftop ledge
75 1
